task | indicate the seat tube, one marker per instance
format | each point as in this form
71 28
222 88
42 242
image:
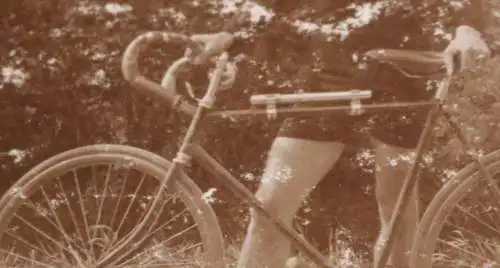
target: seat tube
408 185
411 179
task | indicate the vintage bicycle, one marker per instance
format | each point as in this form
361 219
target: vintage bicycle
110 205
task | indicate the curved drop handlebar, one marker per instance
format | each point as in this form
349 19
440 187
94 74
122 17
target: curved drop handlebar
200 49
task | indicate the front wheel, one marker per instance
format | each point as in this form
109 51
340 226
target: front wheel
461 226
73 208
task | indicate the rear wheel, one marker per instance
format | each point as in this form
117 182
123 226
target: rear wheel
73 208
461 226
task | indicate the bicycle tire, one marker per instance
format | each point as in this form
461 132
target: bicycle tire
202 213
442 204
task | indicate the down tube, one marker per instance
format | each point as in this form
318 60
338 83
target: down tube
228 180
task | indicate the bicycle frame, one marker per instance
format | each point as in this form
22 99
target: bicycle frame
434 106
224 176
189 148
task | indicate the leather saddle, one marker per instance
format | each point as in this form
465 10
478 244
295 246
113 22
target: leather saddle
412 63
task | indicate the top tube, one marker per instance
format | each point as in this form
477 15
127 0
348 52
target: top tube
320 110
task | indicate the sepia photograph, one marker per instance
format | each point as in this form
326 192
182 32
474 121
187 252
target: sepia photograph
250 133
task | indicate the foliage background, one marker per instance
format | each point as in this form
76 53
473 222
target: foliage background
61 87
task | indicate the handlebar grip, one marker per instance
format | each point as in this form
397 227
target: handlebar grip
130 66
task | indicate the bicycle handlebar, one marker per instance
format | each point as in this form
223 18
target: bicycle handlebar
201 48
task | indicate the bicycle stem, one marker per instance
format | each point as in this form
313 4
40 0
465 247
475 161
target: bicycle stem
178 162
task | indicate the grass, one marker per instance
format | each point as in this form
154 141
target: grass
339 253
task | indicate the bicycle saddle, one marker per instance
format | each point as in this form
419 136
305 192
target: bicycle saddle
411 63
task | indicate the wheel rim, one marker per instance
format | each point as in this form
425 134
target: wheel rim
466 233
87 208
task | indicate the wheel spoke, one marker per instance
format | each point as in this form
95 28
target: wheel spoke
132 198
168 222
70 209
159 213
160 244
485 224
464 230
102 196
59 226
24 241
40 232
10 253
120 195
458 248
150 234
173 260
452 262
82 210
151 225
187 248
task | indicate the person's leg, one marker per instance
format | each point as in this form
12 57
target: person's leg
391 166
294 166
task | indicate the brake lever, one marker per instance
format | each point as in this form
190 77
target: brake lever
169 81
213 44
